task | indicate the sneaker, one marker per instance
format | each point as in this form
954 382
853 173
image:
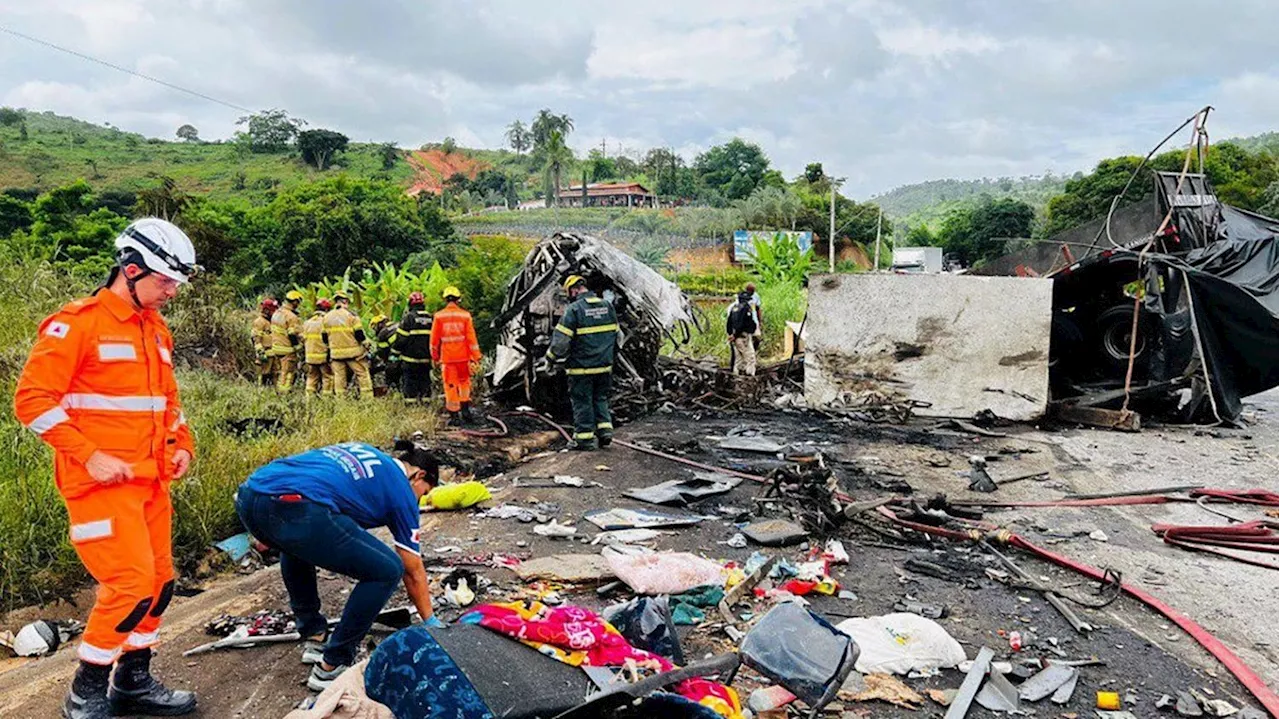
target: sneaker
312 651
321 679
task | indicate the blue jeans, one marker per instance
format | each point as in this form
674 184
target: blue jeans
310 535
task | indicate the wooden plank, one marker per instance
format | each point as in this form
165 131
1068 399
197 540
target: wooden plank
1122 420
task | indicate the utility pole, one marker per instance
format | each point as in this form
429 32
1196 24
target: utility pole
879 217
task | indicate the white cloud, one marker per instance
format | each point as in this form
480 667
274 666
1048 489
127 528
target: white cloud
885 92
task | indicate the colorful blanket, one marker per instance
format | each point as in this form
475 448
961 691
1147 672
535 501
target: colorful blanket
578 636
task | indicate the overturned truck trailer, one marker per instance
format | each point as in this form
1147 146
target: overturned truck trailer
651 310
1202 295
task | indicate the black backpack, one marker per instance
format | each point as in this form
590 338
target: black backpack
743 319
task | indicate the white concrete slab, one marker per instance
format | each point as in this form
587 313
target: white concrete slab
948 340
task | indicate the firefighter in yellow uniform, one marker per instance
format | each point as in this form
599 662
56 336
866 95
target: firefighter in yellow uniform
268 366
315 351
286 340
348 348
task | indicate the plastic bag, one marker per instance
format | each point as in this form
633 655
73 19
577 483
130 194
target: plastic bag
801 651
647 624
664 573
902 643
457 496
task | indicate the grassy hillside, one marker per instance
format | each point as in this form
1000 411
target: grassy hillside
1268 142
58 150
928 203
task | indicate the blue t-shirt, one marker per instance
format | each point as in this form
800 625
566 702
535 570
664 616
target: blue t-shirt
352 479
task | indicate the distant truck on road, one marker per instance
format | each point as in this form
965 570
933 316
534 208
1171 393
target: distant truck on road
917 260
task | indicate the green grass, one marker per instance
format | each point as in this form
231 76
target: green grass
60 150
782 303
37 563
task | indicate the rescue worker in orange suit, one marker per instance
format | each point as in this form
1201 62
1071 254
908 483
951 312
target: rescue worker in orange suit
348 348
268 365
315 351
99 388
455 349
286 340
411 346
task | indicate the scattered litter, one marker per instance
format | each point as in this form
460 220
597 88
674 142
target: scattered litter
1187 705
626 536
998 695
848 595
41 637
460 587
942 697
1064 693
457 496
978 669
646 622
742 440
835 552
603 468
566 480
571 568
554 529
1098 535
1015 640
1047 681
767 698
1110 701
930 611
737 541
664 572
236 546
979 480
687 607
802 652
617 518
888 688
775 532
1219 707
901 643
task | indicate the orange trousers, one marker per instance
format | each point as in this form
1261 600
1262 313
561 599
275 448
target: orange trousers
457 384
123 534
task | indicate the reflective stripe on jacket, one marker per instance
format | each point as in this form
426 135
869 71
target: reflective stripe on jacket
586 336
315 341
453 337
412 340
342 325
261 333
100 377
285 329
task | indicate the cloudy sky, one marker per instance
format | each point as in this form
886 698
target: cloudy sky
884 92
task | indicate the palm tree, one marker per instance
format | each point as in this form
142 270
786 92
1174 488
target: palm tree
557 156
518 137
547 122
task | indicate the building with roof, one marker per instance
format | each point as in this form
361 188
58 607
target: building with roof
608 194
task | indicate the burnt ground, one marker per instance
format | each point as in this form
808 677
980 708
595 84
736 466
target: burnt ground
1144 657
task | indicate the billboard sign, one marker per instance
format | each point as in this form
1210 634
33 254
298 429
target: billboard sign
744 242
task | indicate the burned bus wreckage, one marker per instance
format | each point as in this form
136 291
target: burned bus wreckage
1200 289
651 310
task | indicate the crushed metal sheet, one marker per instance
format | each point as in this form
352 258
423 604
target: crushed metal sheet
1046 682
684 491
998 694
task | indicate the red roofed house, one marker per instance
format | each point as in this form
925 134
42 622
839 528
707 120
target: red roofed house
606 194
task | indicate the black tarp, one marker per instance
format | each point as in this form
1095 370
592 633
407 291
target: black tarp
1209 308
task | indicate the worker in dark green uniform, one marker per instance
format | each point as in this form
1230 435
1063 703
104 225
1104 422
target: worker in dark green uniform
585 340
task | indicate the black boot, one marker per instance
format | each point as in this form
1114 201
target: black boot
467 415
134 691
88 696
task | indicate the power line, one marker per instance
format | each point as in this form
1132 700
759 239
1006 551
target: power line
125 70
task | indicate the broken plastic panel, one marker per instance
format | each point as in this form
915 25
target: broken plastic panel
801 651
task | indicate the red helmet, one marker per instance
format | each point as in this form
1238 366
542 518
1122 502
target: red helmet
324 304
269 304
417 298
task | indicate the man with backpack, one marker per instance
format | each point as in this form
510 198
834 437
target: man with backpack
741 327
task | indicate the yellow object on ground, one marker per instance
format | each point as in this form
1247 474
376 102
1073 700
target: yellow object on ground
456 496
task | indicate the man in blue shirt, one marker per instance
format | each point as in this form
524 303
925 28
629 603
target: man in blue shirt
314 508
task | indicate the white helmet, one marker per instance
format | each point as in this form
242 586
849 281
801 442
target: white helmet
161 246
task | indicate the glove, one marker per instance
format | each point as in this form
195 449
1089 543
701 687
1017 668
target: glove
434 622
